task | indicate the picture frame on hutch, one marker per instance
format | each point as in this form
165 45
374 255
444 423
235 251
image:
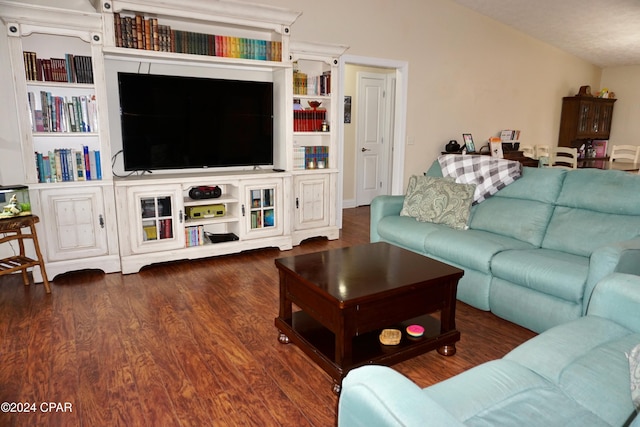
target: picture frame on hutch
468 143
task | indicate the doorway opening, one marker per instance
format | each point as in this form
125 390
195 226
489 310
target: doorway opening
371 157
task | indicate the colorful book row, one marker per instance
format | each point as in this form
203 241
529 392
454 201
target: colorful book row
70 69
311 157
304 84
66 164
194 236
62 114
263 219
140 33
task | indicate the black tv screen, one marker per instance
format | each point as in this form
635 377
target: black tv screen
174 122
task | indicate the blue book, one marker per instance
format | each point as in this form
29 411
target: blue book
87 162
98 171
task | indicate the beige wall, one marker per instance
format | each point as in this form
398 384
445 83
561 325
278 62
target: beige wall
625 82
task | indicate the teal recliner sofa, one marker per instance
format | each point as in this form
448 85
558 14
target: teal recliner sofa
534 250
575 374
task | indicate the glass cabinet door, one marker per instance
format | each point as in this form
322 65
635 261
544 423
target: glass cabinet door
262 209
156 219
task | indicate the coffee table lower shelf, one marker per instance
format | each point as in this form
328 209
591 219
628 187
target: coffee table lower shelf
319 343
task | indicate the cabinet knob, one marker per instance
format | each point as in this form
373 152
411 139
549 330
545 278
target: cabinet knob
297 203
243 214
101 220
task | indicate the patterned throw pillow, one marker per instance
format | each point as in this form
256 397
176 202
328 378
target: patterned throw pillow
438 200
634 367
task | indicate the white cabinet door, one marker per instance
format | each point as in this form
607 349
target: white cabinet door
262 209
74 223
156 218
311 201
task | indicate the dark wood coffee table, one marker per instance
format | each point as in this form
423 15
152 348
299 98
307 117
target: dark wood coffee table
347 296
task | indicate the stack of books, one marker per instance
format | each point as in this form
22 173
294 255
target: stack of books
139 33
311 157
194 236
308 120
304 84
62 114
67 164
70 69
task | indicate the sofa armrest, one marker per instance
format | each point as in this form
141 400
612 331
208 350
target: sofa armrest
380 396
617 297
382 206
620 257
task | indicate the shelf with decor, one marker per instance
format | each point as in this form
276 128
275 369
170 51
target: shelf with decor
313 156
248 214
211 217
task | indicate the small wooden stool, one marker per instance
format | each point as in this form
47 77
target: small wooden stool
12 230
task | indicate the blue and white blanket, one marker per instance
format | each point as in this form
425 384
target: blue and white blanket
489 174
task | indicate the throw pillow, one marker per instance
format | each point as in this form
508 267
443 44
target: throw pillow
634 367
438 200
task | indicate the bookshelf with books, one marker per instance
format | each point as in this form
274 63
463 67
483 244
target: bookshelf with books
63 103
63 63
58 81
205 33
314 148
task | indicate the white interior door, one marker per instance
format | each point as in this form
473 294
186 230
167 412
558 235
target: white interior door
373 145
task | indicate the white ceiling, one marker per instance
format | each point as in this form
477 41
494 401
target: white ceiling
604 32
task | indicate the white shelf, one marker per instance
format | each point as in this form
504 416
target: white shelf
156 57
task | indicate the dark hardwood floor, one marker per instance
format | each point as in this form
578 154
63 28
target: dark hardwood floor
188 343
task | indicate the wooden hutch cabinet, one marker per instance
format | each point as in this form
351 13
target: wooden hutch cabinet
584 118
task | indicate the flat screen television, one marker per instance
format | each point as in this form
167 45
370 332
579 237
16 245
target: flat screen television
176 122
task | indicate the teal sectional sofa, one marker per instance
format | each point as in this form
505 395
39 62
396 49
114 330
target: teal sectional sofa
575 374
534 251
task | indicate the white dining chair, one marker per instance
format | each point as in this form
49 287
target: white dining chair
629 153
563 157
528 151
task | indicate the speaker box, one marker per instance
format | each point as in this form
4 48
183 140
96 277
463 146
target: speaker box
205 211
205 192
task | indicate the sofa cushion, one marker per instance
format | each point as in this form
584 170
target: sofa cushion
551 272
524 220
539 184
570 356
405 231
471 248
438 200
581 231
530 308
614 192
502 392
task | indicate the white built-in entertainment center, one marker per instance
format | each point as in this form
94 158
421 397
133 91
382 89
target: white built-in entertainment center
95 213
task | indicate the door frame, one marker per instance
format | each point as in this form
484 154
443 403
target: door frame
399 121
